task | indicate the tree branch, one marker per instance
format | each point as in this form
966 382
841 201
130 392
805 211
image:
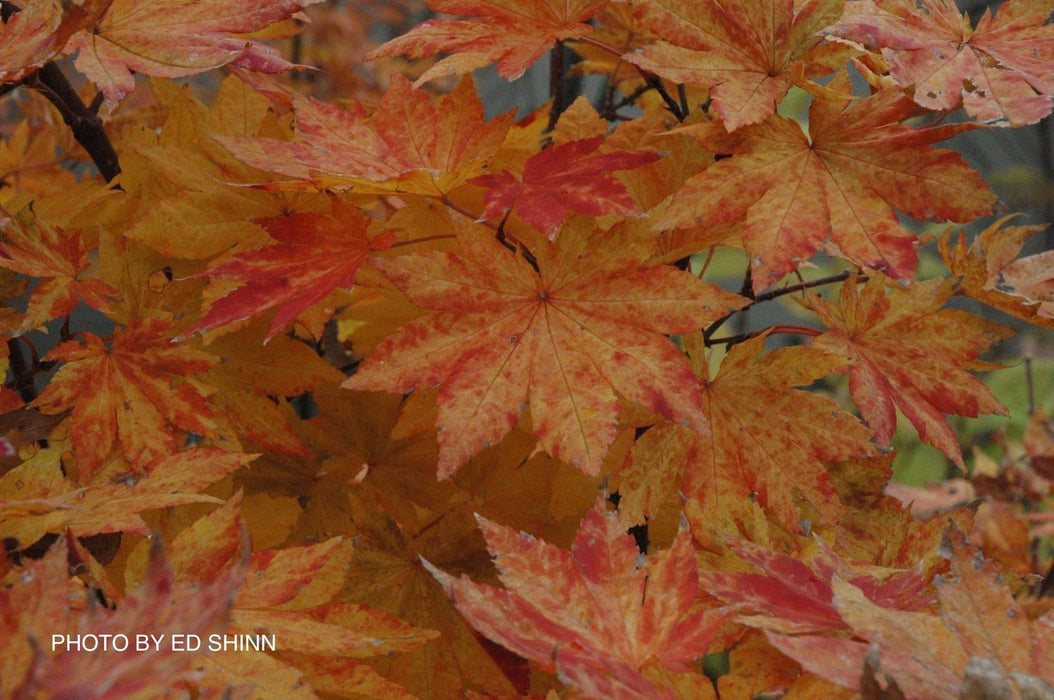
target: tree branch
21 371
841 276
556 85
82 119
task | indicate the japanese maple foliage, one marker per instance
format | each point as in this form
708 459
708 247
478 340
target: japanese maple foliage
458 406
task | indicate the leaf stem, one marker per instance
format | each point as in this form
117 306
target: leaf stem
465 212
768 296
424 239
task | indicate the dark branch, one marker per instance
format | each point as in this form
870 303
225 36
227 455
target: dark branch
82 119
556 85
841 276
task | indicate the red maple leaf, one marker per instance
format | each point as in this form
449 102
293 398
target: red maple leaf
908 352
137 391
314 254
58 260
749 53
411 143
38 31
797 597
562 179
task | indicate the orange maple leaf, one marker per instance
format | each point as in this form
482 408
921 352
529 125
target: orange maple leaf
565 335
36 497
288 593
991 272
38 32
175 38
909 353
314 254
39 606
792 191
769 441
1000 71
138 391
562 179
510 32
749 54
982 637
57 259
412 143
601 613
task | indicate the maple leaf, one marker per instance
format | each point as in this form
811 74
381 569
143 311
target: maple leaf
561 179
564 337
999 71
174 180
792 191
982 636
909 353
375 483
176 38
598 612
38 32
992 272
287 593
769 441
138 391
39 606
57 259
749 54
37 498
514 34
250 378
314 254
412 144
797 597
757 669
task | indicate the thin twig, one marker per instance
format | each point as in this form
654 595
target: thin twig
1030 387
653 80
766 296
772 330
423 239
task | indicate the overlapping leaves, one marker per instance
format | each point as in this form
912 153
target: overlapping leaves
999 71
908 352
836 186
562 338
608 618
749 54
510 33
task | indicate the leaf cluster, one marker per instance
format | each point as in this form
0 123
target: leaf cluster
452 406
